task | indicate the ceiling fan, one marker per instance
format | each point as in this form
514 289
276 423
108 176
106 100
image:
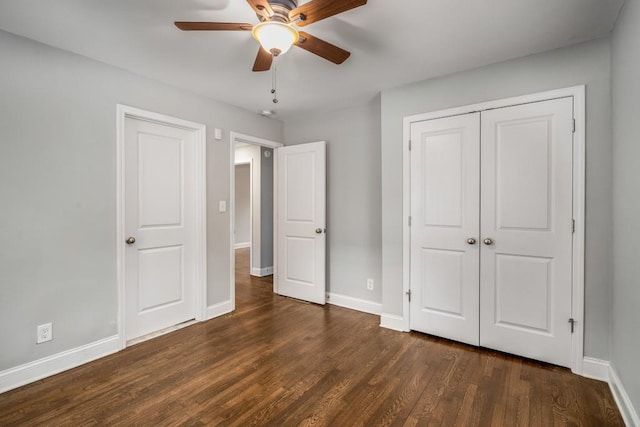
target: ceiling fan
278 28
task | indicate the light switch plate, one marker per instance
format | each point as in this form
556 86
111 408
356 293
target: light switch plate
222 206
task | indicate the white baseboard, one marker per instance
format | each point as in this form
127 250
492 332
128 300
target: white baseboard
391 321
219 309
629 413
261 272
54 364
242 245
355 303
596 369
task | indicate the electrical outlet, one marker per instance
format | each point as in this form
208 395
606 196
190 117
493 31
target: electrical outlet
45 333
370 284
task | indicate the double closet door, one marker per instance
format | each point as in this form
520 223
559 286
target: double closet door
491 231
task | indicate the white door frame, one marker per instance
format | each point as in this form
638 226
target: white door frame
253 140
578 94
200 192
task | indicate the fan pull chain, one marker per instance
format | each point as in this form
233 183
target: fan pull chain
274 89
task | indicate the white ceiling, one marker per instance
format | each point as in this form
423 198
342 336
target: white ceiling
393 42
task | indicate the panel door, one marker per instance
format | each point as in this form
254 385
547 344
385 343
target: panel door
444 227
301 222
526 212
159 215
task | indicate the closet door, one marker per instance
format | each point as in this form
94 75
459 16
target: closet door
526 228
444 228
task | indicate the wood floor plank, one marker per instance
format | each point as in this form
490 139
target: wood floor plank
276 361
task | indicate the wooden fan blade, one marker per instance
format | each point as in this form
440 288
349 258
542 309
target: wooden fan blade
261 7
213 26
263 60
316 10
322 48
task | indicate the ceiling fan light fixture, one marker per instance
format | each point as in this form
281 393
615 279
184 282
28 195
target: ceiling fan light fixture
275 37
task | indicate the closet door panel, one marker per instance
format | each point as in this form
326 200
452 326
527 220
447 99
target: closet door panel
526 218
445 215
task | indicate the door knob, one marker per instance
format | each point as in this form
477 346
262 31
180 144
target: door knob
318 230
471 241
130 240
488 241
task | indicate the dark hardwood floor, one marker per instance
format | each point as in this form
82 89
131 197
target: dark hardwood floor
276 361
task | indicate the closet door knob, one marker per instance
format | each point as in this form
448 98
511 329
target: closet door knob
488 241
130 240
471 241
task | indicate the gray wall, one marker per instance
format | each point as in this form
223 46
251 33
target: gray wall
243 204
625 309
353 194
587 63
266 208
57 190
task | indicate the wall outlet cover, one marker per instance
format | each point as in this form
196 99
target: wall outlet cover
44 333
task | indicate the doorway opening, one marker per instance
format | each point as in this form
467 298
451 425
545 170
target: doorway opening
252 210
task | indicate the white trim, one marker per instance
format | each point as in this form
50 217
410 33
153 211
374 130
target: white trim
355 303
220 309
406 230
579 198
275 222
242 245
391 321
602 370
54 364
253 140
261 272
575 91
233 138
578 94
200 215
628 412
595 369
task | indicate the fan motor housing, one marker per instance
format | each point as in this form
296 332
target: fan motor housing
281 9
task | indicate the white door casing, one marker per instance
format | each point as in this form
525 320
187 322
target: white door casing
301 222
162 205
444 227
525 285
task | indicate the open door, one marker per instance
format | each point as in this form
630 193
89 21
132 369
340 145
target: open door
301 222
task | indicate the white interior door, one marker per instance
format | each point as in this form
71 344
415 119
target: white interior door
444 227
159 212
301 222
527 215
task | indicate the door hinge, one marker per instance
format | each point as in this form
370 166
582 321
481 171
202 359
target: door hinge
574 125
409 221
409 294
572 322
573 226
409 145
